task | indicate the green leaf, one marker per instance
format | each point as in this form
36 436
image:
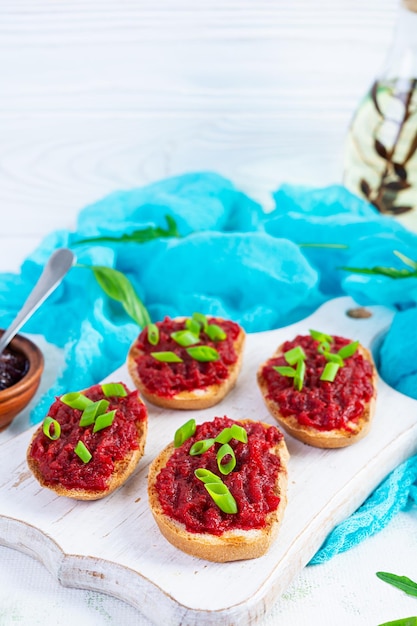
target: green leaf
118 287
341 246
390 272
404 621
138 236
405 259
401 582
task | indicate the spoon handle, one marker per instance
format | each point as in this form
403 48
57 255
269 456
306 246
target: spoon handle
54 271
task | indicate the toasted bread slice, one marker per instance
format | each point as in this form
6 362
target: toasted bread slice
348 432
234 543
162 385
131 415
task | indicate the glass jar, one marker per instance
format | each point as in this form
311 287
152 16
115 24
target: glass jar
381 150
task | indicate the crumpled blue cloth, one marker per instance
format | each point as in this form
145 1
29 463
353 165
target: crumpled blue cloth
377 511
263 269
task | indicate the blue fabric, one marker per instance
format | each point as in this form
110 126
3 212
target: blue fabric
234 260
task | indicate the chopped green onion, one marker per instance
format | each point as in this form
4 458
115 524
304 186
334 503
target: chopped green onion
185 338
206 476
201 319
239 433
193 326
116 390
224 436
92 411
324 347
329 372
199 447
284 370
321 337
215 332
299 375
222 497
224 451
82 452
334 358
184 432
76 400
295 355
167 357
203 354
217 490
46 427
348 350
153 334
104 420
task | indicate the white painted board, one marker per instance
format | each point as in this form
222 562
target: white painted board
113 545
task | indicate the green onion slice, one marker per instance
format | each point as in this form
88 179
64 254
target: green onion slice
104 420
334 358
116 390
76 400
184 432
206 476
222 497
224 451
153 334
167 357
215 332
234 432
299 375
82 452
321 337
329 372
185 338
284 370
295 355
46 427
203 354
193 326
224 436
199 447
92 411
239 433
324 347
200 319
348 350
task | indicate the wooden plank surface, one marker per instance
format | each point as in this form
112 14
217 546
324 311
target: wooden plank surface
113 545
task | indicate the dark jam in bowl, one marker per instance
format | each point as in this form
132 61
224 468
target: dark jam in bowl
13 366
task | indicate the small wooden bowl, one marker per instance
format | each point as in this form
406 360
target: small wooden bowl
14 399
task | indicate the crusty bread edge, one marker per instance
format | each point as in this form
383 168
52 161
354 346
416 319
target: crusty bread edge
198 399
123 469
233 545
337 438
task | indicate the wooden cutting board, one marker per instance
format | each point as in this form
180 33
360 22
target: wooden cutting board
113 545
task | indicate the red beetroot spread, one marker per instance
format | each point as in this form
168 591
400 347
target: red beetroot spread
184 498
57 460
168 379
320 404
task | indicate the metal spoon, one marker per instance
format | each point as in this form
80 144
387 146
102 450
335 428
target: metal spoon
54 271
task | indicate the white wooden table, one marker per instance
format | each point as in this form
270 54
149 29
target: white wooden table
104 95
